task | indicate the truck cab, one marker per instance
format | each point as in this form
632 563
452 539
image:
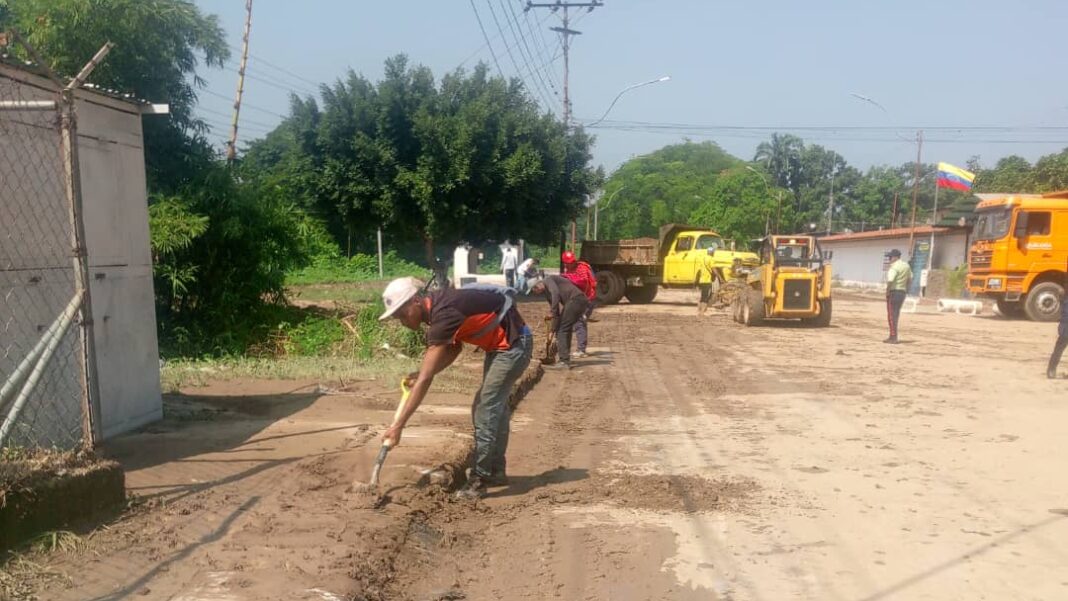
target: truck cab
1019 252
692 256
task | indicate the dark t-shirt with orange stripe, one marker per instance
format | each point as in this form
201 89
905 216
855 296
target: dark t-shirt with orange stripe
456 315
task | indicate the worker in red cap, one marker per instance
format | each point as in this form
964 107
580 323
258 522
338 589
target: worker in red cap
581 275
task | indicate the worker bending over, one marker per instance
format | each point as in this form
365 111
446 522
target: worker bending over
567 305
581 275
488 319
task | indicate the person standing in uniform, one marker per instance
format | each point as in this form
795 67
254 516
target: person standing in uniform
1062 338
898 278
581 275
487 319
567 305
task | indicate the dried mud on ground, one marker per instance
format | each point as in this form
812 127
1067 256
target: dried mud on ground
684 459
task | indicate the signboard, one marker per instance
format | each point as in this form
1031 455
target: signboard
921 249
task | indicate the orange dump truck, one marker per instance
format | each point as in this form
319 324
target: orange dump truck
1019 252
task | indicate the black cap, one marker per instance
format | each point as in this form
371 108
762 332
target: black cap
895 253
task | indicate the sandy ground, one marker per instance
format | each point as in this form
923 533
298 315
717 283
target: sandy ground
686 459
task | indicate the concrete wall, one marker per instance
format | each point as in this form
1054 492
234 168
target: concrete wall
114 197
861 260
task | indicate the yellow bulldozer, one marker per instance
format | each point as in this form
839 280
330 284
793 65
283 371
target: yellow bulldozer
793 281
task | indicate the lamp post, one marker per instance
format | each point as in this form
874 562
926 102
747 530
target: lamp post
624 91
597 209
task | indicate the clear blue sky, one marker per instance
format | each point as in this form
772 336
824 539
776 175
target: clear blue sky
778 63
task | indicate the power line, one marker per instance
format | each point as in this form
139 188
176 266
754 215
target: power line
528 56
543 47
245 104
486 37
511 57
243 120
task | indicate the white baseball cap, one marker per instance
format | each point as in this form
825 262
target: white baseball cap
397 293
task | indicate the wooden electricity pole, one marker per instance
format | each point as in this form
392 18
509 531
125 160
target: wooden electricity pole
565 42
231 147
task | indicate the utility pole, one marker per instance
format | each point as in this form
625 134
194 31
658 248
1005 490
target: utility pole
830 200
565 36
893 213
231 148
916 188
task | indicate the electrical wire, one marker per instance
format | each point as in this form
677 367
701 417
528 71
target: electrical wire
511 57
528 56
486 37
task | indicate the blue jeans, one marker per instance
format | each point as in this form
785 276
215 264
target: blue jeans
490 411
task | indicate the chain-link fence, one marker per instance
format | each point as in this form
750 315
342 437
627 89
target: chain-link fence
44 400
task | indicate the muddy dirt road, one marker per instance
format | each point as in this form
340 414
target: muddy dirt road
686 459
703 460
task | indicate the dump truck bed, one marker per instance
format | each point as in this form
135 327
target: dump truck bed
631 251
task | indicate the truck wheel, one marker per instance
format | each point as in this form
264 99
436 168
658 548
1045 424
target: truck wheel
605 288
1010 309
753 309
642 295
610 287
823 320
1044 302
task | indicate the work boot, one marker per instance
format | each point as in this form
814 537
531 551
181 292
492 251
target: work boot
474 489
497 479
891 340
559 366
1051 372
701 308
580 355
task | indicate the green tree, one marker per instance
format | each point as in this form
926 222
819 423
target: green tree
468 159
662 187
158 46
781 157
739 205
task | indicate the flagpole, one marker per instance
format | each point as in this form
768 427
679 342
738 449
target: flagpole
934 222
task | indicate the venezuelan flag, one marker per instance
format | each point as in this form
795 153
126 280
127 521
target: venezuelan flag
954 178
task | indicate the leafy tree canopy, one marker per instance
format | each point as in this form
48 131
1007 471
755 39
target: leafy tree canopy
466 159
664 186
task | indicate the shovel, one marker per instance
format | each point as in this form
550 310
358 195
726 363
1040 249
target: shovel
386 446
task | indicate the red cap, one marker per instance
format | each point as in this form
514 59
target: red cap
568 257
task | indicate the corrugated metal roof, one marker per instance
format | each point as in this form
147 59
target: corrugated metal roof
898 232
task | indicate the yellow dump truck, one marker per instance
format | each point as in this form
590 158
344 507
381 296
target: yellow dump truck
683 256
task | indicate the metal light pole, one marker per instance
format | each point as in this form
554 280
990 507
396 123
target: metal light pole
597 209
767 189
624 91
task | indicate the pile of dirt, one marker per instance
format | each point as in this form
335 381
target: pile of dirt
687 494
729 291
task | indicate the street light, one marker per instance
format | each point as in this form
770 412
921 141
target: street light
597 209
624 91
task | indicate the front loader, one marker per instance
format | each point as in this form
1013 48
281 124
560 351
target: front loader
793 281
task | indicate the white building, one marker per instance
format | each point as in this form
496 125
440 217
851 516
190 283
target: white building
859 258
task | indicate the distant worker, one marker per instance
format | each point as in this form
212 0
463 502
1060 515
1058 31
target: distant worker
707 277
488 319
509 262
581 275
898 279
1062 338
527 271
567 305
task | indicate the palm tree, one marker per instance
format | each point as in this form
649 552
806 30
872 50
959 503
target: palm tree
781 156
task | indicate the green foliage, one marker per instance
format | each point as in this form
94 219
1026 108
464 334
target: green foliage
158 46
661 187
738 206
467 159
333 268
955 279
221 251
1016 174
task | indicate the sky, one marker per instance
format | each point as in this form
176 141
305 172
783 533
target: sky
739 69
